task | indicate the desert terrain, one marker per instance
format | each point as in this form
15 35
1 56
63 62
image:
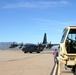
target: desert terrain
15 62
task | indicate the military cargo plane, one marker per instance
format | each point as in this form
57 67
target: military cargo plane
33 47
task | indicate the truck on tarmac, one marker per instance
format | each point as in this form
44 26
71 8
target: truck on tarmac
67 49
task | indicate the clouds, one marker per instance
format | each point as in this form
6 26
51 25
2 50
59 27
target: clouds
50 25
35 4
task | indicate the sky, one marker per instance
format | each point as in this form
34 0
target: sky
27 20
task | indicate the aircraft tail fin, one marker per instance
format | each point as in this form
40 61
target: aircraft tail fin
45 39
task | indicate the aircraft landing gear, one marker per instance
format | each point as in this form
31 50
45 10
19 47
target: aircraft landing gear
38 52
25 52
30 52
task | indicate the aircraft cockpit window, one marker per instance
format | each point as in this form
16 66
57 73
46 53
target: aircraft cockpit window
64 35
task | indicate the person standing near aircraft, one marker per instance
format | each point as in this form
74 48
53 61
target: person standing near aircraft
55 53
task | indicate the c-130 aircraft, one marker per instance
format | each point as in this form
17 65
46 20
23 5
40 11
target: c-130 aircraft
33 47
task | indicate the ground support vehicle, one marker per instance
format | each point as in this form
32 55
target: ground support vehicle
67 49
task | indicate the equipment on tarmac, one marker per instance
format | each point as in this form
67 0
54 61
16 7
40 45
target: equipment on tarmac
67 49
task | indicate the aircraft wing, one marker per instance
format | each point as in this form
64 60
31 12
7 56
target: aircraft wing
14 45
51 45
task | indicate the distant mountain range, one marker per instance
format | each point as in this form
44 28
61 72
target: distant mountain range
5 46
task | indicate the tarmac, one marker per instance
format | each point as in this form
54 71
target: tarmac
15 62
